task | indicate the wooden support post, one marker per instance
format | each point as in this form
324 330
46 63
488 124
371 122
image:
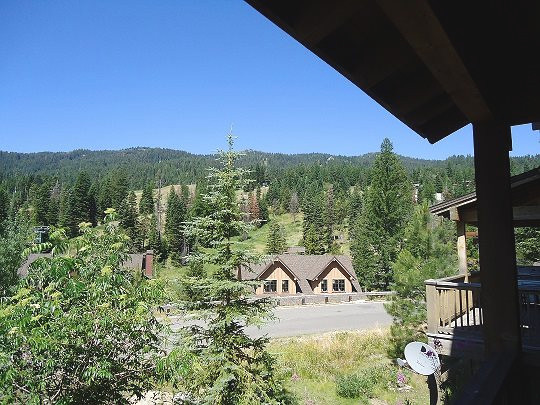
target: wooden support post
432 304
462 248
492 141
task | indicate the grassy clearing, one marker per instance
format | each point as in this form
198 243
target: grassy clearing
257 238
315 364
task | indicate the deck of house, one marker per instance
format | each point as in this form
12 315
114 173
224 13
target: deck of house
456 318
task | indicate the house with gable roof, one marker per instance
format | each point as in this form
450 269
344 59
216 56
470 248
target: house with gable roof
303 274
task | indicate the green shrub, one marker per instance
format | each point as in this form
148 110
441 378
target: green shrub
363 385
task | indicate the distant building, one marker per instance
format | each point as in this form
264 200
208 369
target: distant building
136 261
296 250
303 274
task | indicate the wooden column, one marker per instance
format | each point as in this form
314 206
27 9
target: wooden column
461 247
492 142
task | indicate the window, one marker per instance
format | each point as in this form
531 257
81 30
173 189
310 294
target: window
338 285
285 286
324 286
270 286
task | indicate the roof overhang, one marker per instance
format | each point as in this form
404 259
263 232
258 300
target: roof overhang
334 260
435 65
271 263
525 202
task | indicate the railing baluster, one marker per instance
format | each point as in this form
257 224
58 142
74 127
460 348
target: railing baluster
467 305
460 309
473 308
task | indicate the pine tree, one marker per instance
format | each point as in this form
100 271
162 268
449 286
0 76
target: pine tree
428 252
329 218
314 227
104 197
128 217
119 189
174 225
200 207
40 203
229 366
4 205
379 229
53 215
314 241
528 245
146 205
79 204
263 207
275 244
355 206
294 205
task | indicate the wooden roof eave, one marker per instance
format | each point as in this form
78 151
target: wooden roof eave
431 65
272 262
334 259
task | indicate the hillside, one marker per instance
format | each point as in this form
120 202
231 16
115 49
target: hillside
176 167
143 165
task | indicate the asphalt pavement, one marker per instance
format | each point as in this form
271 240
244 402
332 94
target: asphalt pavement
313 319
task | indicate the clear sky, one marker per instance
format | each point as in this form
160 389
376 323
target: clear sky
102 74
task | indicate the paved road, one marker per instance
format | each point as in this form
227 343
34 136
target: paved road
310 319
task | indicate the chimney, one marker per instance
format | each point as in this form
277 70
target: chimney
148 263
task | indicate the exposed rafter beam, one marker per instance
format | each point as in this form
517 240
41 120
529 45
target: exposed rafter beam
417 23
322 18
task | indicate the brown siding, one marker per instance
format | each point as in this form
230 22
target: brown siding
334 271
279 273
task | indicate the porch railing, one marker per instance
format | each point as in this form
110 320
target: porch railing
529 311
454 302
454 306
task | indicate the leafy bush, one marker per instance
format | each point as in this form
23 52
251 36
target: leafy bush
78 329
363 384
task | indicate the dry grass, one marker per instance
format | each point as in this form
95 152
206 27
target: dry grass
312 364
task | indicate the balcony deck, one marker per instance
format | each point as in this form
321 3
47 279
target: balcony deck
455 314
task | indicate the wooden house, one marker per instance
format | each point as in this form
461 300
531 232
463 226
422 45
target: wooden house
303 274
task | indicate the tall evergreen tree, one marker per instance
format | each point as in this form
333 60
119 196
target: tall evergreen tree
176 215
355 207
275 244
128 217
119 189
229 366
146 205
40 203
428 252
80 203
379 229
4 205
314 227
329 217
54 205
294 205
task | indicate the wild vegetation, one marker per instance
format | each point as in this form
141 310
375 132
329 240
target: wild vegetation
78 328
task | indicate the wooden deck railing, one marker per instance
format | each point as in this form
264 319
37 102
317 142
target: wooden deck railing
529 311
452 303
454 307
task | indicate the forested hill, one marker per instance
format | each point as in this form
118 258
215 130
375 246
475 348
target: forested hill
143 165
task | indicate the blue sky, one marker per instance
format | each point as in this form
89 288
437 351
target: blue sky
176 74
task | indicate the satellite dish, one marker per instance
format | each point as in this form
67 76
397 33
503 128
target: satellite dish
422 358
